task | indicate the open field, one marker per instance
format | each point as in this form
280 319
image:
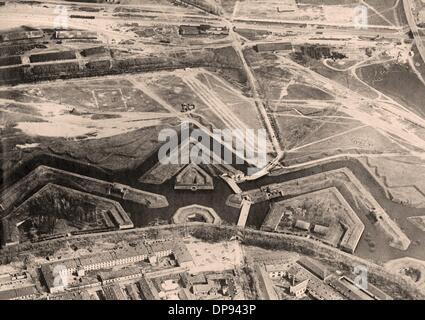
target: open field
397 81
108 117
214 256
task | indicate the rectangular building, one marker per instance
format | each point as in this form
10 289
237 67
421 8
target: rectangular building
119 275
273 46
183 256
22 293
113 292
314 267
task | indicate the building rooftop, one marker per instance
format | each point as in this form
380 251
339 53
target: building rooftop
74 295
115 274
47 269
93 259
303 225
197 278
182 254
113 292
148 290
18 293
189 30
350 290
323 230
160 246
202 288
314 267
273 46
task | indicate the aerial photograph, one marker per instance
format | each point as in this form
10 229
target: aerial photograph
212 150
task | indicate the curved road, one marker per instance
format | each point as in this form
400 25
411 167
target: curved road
412 24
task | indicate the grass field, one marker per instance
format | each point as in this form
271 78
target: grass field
397 81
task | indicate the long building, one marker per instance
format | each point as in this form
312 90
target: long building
56 273
22 293
113 292
273 46
203 29
349 289
10 61
75 34
93 51
52 56
119 275
148 290
314 267
21 35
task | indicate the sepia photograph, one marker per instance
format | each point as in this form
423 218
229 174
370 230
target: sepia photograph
212 154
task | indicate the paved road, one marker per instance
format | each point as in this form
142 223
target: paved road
412 24
243 217
258 101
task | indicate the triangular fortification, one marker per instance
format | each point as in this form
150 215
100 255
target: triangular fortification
193 177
